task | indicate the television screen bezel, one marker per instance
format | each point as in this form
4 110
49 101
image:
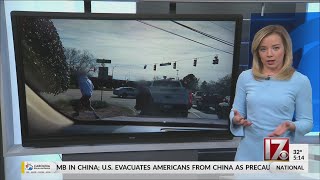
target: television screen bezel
126 138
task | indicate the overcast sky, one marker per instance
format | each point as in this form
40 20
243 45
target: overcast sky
131 44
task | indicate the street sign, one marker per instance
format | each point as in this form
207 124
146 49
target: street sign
103 61
165 64
103 73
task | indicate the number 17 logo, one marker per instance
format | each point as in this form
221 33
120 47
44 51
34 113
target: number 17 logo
276 149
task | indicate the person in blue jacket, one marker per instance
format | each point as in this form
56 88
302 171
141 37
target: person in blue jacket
86 88
270 95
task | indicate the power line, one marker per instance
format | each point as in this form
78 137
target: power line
181 60
221 26
205 34
184 37
192 58
149 64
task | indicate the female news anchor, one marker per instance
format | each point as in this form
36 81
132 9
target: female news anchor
269 95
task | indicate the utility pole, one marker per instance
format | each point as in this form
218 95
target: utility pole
112 71
103 73
177 74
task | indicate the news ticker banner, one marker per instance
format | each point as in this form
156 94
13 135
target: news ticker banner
297 163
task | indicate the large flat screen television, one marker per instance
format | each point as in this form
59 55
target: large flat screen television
155 78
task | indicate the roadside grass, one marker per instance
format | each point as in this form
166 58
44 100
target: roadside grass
102 108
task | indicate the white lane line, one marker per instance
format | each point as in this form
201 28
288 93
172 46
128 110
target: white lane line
132 109
195 114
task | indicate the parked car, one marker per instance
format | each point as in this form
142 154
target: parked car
170 95
204 100
125 92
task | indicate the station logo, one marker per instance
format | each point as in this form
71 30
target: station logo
29 167
276 149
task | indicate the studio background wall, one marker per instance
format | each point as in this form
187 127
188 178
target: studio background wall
304 31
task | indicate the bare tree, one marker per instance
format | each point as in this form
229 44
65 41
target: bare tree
191 82
222 86
79 60
71 57
204 86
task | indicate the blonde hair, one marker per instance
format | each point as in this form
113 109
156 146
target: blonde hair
287 70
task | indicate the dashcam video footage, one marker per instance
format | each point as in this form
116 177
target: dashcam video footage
126 73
